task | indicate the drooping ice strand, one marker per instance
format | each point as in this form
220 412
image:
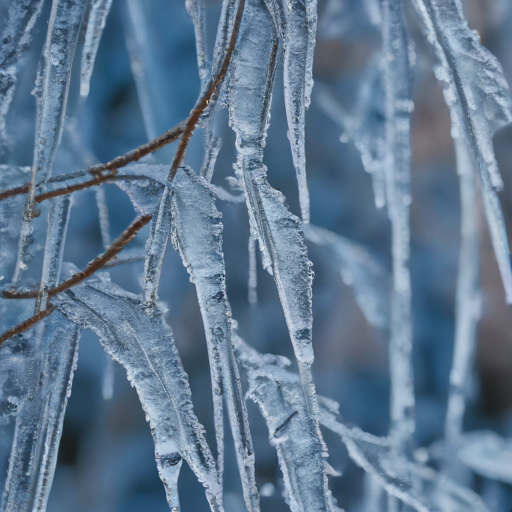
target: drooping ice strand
197 234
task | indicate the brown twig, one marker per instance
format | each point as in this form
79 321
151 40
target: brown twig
26 325
204 100
97 180
120 161
92 267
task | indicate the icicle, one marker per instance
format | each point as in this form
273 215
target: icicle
16 38
141 58
138 338
252 282
468 295
107 383
397 85
296 21
95 25
197 11
197 234
101 203
40 419
301 455
280 238
63 29
477 95
359 270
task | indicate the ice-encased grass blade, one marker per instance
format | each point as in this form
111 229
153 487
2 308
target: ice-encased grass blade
137 337
477 94
97 19
63 29
301 454
197 235
40 415
398 90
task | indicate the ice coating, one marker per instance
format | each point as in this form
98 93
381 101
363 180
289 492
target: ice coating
15 39
296 25
359 270
301 453
197 235
278 232
98 14
39 419
397 88
63 30
468 295
477 94
137 337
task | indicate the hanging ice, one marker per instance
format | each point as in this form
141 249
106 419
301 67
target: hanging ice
477 94
359 270
296 26
137 337
98 13
197 235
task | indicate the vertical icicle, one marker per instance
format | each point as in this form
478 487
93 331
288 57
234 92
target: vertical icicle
63 30
107 384
298 21
397 84
468 294
16 38
252 282
144 68
197 11
40 419
95 26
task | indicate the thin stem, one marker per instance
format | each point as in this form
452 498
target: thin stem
92 267
27 324
120 161
204 100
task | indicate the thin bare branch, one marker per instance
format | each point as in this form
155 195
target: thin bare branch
96 170
92 267
27 324
204 100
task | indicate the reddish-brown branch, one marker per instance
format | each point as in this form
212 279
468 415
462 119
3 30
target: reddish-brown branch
92 267
203 102
120 161
26 325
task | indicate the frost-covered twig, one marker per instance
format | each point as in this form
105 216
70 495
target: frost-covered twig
92 267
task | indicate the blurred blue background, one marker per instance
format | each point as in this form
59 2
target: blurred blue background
106 459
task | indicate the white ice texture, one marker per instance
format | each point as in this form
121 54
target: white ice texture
137 337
